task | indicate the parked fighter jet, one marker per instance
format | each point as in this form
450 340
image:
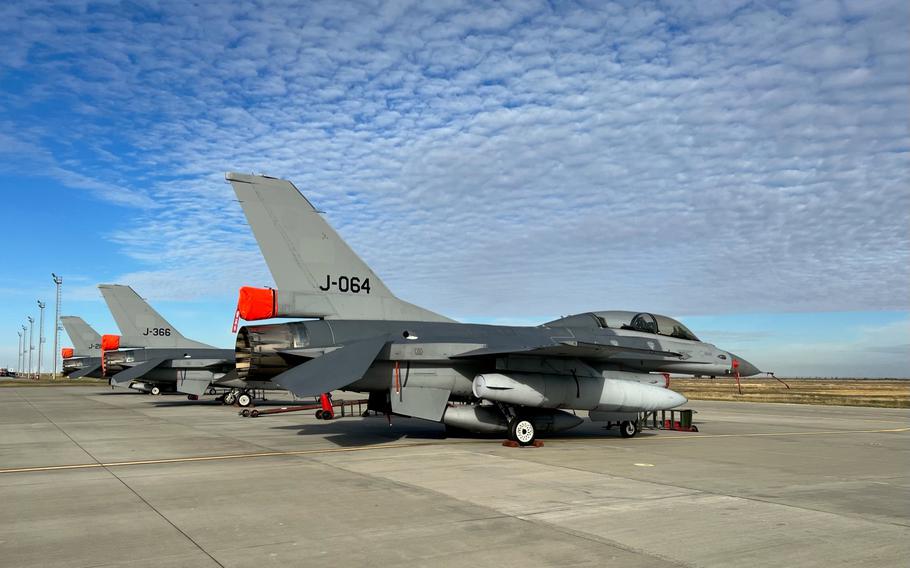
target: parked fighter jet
83 359
417 363
152 356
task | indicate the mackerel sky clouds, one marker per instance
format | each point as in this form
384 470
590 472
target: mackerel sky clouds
492 161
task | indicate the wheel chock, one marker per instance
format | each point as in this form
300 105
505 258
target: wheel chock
514 444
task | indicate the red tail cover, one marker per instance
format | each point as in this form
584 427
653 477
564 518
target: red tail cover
256 303
67 352
110 342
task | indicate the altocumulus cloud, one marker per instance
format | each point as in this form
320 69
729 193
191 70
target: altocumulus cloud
495 159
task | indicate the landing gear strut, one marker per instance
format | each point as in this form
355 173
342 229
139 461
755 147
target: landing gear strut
627 429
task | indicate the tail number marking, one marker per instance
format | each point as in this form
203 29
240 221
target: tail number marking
351 284
158 331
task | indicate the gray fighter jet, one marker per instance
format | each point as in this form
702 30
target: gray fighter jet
414 362
83 359
150 355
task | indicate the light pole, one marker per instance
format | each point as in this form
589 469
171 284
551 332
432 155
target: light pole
58 281
24 330
41 306
31 343
19 355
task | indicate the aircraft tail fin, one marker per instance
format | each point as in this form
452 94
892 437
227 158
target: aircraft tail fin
317 273
86 341
140 325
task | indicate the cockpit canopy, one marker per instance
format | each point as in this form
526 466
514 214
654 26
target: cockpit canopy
635 321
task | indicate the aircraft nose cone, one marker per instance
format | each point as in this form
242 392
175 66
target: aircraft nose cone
746 369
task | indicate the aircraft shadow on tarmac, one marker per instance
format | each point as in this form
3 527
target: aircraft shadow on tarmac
375 431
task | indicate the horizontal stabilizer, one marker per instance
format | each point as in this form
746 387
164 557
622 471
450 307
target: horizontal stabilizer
333 370
87 370
124 378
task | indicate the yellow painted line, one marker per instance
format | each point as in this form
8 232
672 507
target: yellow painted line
772 434
696 436
214 458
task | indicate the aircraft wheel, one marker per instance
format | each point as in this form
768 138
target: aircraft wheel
319 414
155 391
244 399
230 397
628 429
522 431
211 391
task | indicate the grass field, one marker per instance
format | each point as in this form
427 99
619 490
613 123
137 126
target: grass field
892 393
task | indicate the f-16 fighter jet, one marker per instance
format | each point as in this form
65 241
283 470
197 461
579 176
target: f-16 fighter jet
414 362
83 359
152 356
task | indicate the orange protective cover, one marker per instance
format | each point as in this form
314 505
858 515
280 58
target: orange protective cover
67 352
256 303
110 342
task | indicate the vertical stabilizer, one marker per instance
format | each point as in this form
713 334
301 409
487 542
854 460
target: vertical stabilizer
86 341
140 325
317 273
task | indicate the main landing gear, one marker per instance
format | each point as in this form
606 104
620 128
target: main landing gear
242 397
521 429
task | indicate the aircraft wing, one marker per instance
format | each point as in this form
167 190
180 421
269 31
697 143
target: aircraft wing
87 370
333 370
571 348
124 378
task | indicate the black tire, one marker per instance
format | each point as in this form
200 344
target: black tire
244 399
245 412
522 430
326 415
155 391
628 429
254 413
319 414
212 391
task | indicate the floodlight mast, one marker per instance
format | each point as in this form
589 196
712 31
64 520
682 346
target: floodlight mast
31 343
19 354
24 330
58 281
41 306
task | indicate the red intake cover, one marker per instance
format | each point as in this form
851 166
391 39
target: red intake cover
67 352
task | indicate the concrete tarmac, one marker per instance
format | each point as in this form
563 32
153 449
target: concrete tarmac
161 481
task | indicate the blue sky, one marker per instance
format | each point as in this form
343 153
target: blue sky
741 166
